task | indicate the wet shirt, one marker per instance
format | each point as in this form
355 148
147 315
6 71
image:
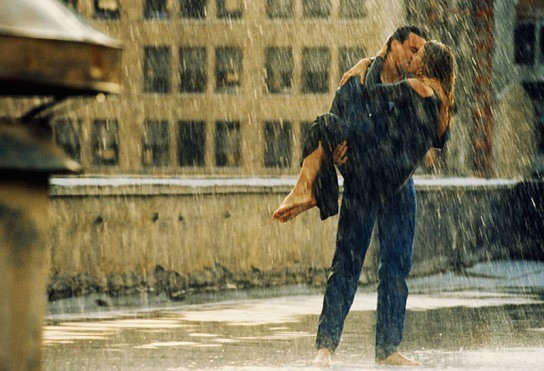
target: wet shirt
389 128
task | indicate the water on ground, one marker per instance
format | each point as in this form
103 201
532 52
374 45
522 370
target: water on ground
490 317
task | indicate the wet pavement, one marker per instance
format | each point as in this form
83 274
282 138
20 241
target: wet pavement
490 317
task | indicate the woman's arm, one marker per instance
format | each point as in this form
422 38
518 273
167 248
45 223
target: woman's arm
359 69
400 92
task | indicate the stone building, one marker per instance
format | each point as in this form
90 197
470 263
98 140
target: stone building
498 129
220 87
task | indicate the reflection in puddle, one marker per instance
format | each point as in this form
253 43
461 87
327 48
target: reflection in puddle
460 330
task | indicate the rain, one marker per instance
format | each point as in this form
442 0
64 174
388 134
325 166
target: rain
145 145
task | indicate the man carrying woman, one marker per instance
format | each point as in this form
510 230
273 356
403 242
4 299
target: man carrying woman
380 129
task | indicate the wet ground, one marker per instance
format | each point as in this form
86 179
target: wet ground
490 317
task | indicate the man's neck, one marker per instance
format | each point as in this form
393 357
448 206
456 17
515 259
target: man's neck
390 73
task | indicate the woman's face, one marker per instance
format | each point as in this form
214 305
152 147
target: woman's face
417 61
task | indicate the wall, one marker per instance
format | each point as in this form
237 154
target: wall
123 235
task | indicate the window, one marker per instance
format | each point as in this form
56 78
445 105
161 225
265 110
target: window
191 143
352 8
155 143
316 8
228 69
524 44
155 9
67 134
304 131
277 140
227 143
105 142
279 8
279 69
72 4
192 69
106 9
315 70
156 69
541 54
231 9
192 8
348 58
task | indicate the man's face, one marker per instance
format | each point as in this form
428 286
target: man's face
405 52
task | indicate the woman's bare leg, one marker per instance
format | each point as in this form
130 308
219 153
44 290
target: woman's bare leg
301 197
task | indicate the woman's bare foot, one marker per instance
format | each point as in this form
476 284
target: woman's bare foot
296 202
323 358
398 359
301 198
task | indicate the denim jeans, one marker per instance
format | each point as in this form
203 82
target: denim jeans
396 227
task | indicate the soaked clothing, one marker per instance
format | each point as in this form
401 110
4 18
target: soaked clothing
388 134
389 128
396 220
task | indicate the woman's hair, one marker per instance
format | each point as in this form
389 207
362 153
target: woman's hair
438 63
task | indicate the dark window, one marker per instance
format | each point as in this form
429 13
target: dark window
279 69
227 143
316 8
524 44
277 144
231 9
67 134
105 142
192 69
156 69
106 9
352 8
155 9
72 4
191 143
279 8
348 57
228 69
541 29
192 8
156 143
315 70
304 131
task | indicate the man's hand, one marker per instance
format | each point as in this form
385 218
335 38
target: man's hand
358 70
339 154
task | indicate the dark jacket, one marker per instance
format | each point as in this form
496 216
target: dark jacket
389 128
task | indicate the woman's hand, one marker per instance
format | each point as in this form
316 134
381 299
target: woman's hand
383 50
358 70
430 158
339 155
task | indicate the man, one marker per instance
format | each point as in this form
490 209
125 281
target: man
395 217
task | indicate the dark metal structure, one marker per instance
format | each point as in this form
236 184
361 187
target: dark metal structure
49 50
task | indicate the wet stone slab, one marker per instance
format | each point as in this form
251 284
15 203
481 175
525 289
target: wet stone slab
467 325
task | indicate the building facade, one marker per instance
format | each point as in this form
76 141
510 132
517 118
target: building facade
218 87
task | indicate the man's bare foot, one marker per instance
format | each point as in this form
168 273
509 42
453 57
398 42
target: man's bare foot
295 203
398 359
323 358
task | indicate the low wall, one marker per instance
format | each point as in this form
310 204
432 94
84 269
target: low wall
178 235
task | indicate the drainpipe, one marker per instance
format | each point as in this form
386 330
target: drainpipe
482 113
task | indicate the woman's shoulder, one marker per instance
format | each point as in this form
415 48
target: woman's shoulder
420 88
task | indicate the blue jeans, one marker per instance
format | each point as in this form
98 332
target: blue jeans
396 227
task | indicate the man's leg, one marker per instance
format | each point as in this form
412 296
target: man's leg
396 230
353 237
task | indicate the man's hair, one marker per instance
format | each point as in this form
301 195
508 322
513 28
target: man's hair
401 34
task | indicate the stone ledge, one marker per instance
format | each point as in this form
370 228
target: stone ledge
136 185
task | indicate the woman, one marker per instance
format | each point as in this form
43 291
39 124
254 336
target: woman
385 146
